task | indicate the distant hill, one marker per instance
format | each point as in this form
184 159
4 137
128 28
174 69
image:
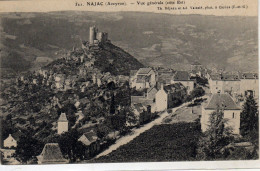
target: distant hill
154 39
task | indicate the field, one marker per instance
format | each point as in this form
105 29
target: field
176 142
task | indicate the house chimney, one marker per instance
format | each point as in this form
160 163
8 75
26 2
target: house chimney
161 86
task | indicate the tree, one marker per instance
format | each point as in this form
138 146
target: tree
112 105
197 92
27 148
216 137
131 118
249 117
70 147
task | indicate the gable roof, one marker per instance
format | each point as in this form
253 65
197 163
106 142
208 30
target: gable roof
248 75
152 89
181 76
222 100
88 138
144 70
196 63
141 79
51 154
226 77
10 137
62 118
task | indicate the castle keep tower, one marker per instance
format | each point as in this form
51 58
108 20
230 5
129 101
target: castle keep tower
96 37
92 34
63 124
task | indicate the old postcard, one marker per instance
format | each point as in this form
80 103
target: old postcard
88 81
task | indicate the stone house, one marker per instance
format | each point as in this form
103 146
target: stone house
225 83
10 142
142 113
163 98
249 84
143 78
230 108
9 147
92 143
183 77
151 92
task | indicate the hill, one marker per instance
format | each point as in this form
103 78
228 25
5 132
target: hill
154 39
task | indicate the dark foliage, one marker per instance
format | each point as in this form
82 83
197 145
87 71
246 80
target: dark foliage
28 148
70 147
249 117
170 143
216 137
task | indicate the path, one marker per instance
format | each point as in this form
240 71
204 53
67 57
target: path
136 132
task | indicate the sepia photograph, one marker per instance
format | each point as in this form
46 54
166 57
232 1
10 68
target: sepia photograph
87 87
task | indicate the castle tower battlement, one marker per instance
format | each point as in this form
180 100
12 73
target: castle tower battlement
96 37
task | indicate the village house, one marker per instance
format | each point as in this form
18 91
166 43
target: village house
183 77
91 141
197 70
215 83
196 66
9 146
143 78
10 142
234 84
142 113
164 77
249 84
163 97
224 83
231 111
51 154
63 124
151 92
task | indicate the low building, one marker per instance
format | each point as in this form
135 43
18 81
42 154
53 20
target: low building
51 154
9 147
142 113
183 77
143 78
91 141
10 142
230 108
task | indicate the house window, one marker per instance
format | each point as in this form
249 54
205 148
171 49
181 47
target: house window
233 115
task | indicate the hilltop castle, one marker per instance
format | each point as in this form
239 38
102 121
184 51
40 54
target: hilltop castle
96 37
